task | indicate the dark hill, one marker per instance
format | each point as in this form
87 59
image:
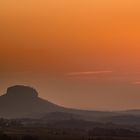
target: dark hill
22 101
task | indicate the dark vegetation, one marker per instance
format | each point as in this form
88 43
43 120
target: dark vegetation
28 129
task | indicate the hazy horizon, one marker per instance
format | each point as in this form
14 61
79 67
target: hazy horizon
76 53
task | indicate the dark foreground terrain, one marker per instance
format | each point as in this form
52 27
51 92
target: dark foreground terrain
27 129
64 134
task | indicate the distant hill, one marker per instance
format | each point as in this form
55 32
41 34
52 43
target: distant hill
23 102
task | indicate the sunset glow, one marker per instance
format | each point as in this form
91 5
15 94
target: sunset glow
73 48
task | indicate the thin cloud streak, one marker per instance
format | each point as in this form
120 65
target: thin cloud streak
88 73
136 83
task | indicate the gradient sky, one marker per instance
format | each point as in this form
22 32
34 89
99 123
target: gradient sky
76 53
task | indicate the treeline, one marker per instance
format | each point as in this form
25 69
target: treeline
10 123
7 137
114 132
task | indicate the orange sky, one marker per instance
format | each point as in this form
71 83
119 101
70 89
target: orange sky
73 48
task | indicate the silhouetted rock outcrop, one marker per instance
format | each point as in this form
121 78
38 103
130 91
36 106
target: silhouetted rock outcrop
23 92
23 101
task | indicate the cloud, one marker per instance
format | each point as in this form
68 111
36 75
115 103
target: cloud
88 73
136 83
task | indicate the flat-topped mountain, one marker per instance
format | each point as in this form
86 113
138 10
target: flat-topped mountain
21 92
23 101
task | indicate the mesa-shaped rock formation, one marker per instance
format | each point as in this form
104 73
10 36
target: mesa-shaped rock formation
20 91
23 101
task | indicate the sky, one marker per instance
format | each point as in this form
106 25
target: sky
77 53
